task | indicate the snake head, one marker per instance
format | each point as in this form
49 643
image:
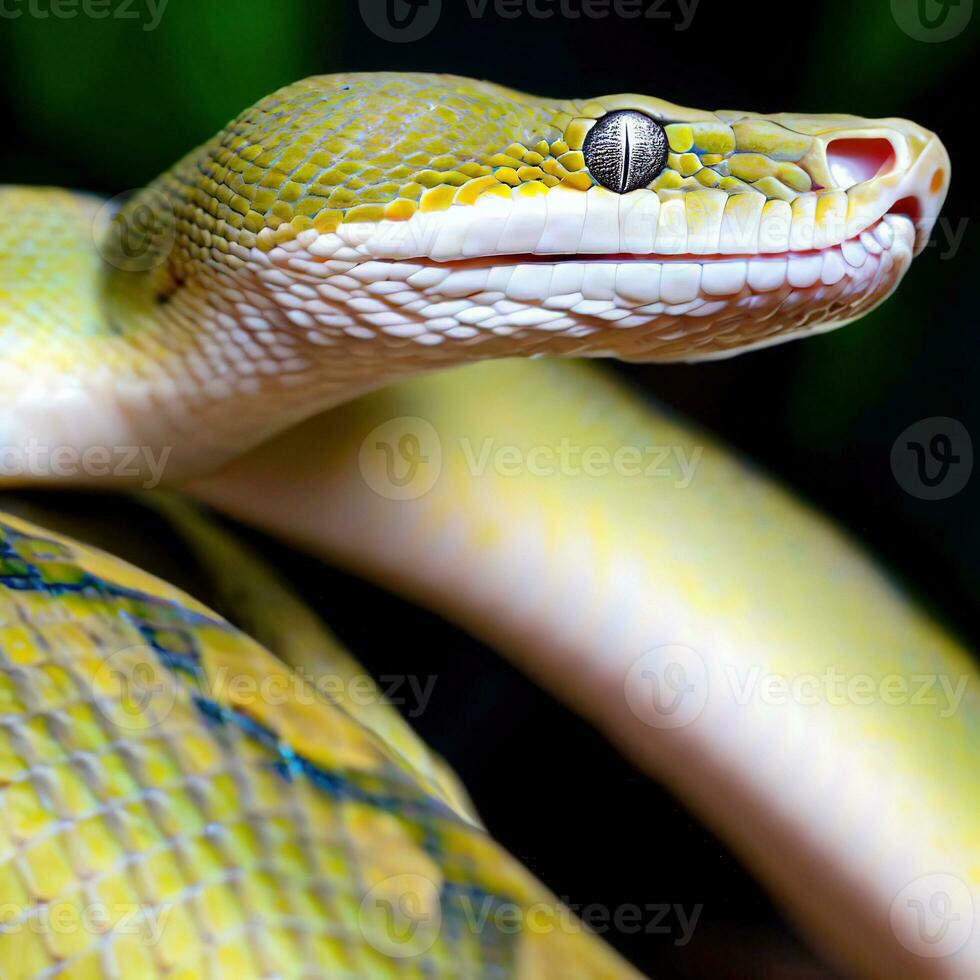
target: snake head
450 215
351 230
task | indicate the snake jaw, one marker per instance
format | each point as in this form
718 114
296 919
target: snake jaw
629 306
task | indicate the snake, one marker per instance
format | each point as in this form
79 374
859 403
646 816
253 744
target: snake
362 318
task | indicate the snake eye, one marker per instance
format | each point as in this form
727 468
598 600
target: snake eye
625 150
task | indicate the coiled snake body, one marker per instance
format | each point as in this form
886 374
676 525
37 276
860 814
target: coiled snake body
163 811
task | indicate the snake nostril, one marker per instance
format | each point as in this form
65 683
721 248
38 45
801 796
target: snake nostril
853 160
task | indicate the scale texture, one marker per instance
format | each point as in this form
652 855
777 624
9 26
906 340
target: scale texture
164 811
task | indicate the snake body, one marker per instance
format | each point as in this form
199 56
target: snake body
355 230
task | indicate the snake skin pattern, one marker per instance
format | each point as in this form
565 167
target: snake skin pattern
163 815
349 231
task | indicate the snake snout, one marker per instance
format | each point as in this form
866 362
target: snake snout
887 166
922 189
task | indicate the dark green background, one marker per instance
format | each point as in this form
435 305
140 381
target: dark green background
106 105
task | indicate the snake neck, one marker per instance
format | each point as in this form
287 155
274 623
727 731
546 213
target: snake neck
111 347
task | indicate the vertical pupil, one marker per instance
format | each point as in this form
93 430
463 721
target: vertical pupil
625 150
626 156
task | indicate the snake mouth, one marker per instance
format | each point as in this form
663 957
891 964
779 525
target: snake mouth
634 306
873 240
620 287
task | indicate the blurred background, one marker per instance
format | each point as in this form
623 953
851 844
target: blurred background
106 102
